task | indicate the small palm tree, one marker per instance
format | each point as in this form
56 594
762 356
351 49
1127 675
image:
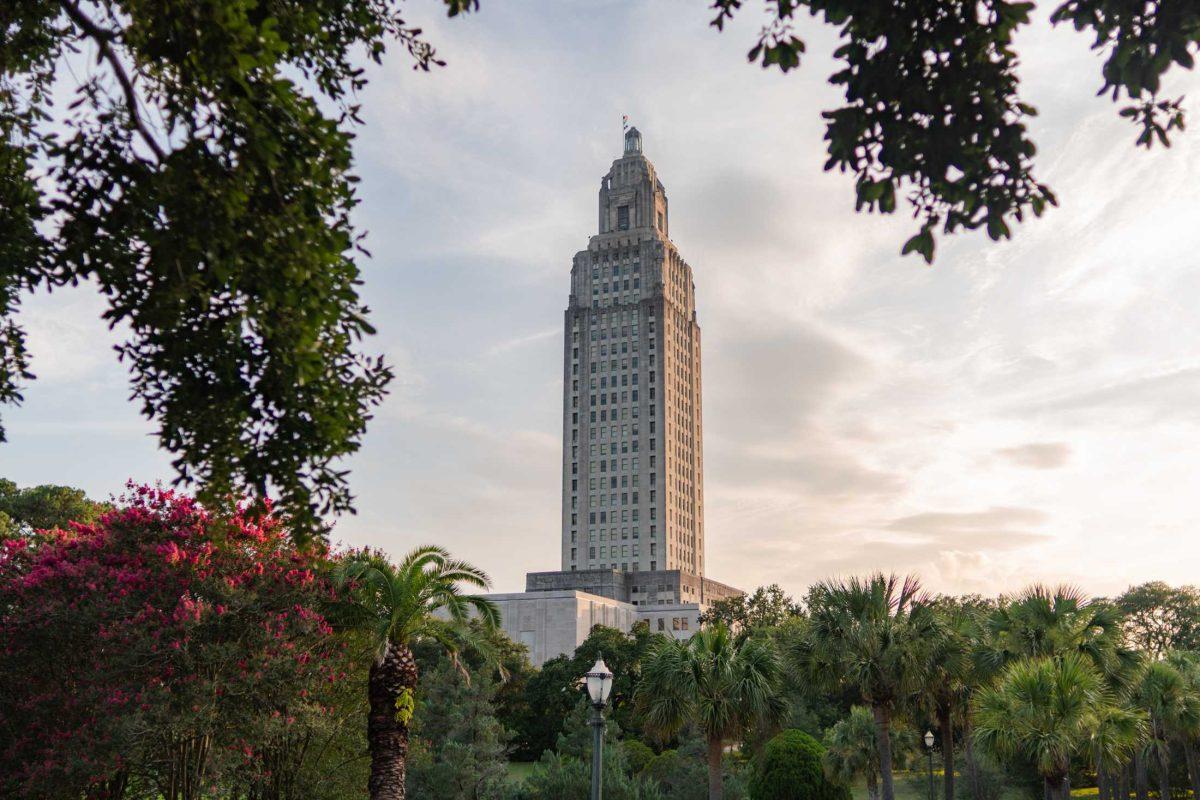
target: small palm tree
398 605
872 637
713 682
1046 710
851 751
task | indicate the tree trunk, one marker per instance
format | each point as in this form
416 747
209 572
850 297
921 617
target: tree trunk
112 788
1056 788
873 787
1193 766
883 739
974 779
715 789
1141 781
946 730
391 689
1164 772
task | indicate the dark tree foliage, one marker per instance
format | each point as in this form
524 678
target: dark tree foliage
790 769
765 607
201 178
933 104
34 508
1159 617
552 694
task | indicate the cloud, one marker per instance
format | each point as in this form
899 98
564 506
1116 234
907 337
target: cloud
1037 455
996 528
1168 395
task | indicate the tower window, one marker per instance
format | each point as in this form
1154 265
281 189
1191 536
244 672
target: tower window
623 218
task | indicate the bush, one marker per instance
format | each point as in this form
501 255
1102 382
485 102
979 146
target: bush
565 778
790 769
637 755
683 775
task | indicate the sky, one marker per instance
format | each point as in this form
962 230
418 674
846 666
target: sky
1023 411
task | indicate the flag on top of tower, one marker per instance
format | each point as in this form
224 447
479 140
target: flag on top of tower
624 122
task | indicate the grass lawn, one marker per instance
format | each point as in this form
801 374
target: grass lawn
518 771
907 788
915 786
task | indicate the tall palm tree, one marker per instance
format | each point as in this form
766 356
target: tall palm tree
398 605
1046 711
872 637
851 750
949 676
721 686
1173 707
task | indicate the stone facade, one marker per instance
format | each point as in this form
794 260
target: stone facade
553 622
641 588
633 485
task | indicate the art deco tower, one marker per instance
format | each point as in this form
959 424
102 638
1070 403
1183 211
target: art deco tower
633 469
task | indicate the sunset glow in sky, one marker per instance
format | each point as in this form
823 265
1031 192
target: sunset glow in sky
1018 411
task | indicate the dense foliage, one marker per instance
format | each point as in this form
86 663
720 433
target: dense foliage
791 768
162 650
201 179
933 105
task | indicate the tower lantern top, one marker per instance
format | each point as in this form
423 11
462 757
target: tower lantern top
633 141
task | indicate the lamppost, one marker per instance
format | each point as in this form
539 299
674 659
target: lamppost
599 684
929 747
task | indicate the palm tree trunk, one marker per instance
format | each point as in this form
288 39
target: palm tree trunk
1056 788
883 738
1164 772
1141 781
974 780
391 678
946 730
873 786
715 789
1193 766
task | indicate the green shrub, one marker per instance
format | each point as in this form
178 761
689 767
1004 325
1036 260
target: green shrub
637 755
790 769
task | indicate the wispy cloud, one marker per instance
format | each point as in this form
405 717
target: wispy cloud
1037 455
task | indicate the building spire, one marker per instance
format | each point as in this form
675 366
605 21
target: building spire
633 139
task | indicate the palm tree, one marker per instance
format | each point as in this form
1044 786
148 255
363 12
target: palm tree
396 606
713 682
1044 621
949 676
1046 710
1187 729
1173 706
870 636
851 751
1118 731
